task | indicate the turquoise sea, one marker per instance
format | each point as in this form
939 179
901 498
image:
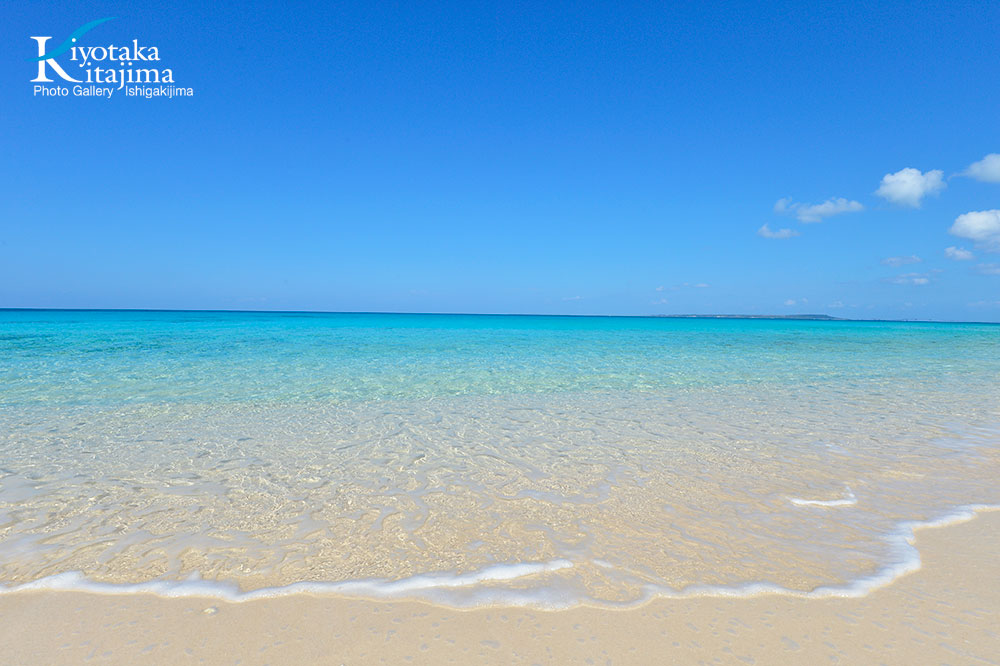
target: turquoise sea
472 459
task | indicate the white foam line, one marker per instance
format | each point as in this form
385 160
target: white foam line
195 586
463 590
849 500
906 560
846 501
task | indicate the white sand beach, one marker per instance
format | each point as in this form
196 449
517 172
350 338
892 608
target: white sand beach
944 613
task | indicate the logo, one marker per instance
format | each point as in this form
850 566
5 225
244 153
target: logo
102 70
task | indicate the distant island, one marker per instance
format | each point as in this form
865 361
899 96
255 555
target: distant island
810 317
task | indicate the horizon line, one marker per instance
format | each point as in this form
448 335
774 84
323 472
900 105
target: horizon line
818 317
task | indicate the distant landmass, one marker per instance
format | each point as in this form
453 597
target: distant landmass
811 317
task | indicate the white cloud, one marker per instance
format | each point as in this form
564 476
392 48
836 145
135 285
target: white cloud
660 288
790 302
989 269
700 285
573 298
766 232
836 304
982 226
986 169
662 301
907 187
901 261
816 212
783 205
916 279
958 253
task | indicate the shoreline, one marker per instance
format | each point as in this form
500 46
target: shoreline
941 611
429 587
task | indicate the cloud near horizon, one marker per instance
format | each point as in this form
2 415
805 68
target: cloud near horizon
811 213
901 261
958 253
986 170
981 226
916 279
908 187
766 232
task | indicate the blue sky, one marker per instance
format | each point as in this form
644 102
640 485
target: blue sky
464 157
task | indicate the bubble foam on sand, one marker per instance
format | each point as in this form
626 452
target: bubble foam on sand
848 500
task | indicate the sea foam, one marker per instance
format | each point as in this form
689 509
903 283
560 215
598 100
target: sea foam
478 588
848 500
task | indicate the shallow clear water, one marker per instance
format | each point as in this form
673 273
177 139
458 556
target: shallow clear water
477 459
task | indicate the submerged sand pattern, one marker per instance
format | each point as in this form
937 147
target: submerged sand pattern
550 499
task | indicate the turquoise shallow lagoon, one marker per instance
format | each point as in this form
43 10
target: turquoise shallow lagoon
484 459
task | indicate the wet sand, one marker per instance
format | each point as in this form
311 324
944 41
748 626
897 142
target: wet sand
945 613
